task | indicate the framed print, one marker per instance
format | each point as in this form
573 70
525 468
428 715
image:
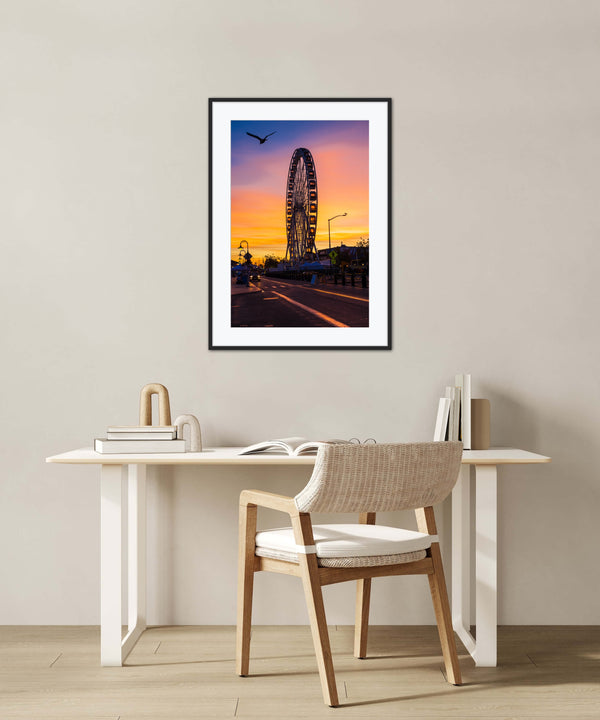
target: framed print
299 224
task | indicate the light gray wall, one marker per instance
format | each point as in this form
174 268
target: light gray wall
103 190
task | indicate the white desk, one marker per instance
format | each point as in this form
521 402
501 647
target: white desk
131 469
484 649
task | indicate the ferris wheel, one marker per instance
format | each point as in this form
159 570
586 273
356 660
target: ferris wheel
301 207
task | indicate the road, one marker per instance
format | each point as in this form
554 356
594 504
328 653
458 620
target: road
290 303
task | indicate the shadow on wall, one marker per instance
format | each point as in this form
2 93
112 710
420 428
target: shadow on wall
514 423
554 430
193 521
193 538
537 505
161 543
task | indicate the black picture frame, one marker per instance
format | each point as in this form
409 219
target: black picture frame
224 333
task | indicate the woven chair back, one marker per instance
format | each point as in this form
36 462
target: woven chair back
376 478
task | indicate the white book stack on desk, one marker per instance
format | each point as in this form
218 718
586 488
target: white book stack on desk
140 439
453 420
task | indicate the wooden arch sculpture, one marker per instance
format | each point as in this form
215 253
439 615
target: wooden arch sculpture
164 407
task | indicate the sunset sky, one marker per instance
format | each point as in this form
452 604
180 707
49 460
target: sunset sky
340 149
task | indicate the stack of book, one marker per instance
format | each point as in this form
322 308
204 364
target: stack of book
140 439
454 412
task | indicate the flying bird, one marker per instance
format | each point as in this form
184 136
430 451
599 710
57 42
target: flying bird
262 140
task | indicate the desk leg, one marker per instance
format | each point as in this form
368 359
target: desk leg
113 649
136 557
483 647
461 559
486 573
110 564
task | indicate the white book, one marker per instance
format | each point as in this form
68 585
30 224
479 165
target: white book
464 382
160 434
441 422
115 447
456 415
147 430
458 383
292 446
451 395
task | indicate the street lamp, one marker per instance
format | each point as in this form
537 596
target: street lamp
329 226
247 250
248 257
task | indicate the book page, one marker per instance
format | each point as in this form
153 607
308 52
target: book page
285 446
311 447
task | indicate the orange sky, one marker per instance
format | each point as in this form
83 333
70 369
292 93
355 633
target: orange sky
340 150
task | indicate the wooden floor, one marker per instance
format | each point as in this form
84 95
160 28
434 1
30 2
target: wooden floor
180 673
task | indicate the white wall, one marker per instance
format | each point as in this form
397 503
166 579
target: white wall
103 187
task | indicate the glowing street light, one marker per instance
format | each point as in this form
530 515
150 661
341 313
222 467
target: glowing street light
329 225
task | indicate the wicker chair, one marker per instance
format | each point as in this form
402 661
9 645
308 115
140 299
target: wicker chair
352 478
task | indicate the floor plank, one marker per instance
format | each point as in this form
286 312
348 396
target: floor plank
53 673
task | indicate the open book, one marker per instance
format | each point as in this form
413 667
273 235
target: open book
292 446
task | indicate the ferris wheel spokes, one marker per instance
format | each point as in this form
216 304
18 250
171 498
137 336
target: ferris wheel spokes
301 207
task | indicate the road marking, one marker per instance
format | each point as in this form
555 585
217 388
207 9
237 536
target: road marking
328 319
270 298
328 292
350 297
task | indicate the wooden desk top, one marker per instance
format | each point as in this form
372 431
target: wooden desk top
229 456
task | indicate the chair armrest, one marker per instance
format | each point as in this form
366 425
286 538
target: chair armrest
274 501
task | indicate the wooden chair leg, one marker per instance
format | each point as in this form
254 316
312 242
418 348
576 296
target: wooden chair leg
316 609
361 624
363 601
439 595
245 587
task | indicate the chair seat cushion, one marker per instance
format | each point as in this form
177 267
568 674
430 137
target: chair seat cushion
348 545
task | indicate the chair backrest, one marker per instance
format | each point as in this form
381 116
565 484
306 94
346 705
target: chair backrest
375 478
